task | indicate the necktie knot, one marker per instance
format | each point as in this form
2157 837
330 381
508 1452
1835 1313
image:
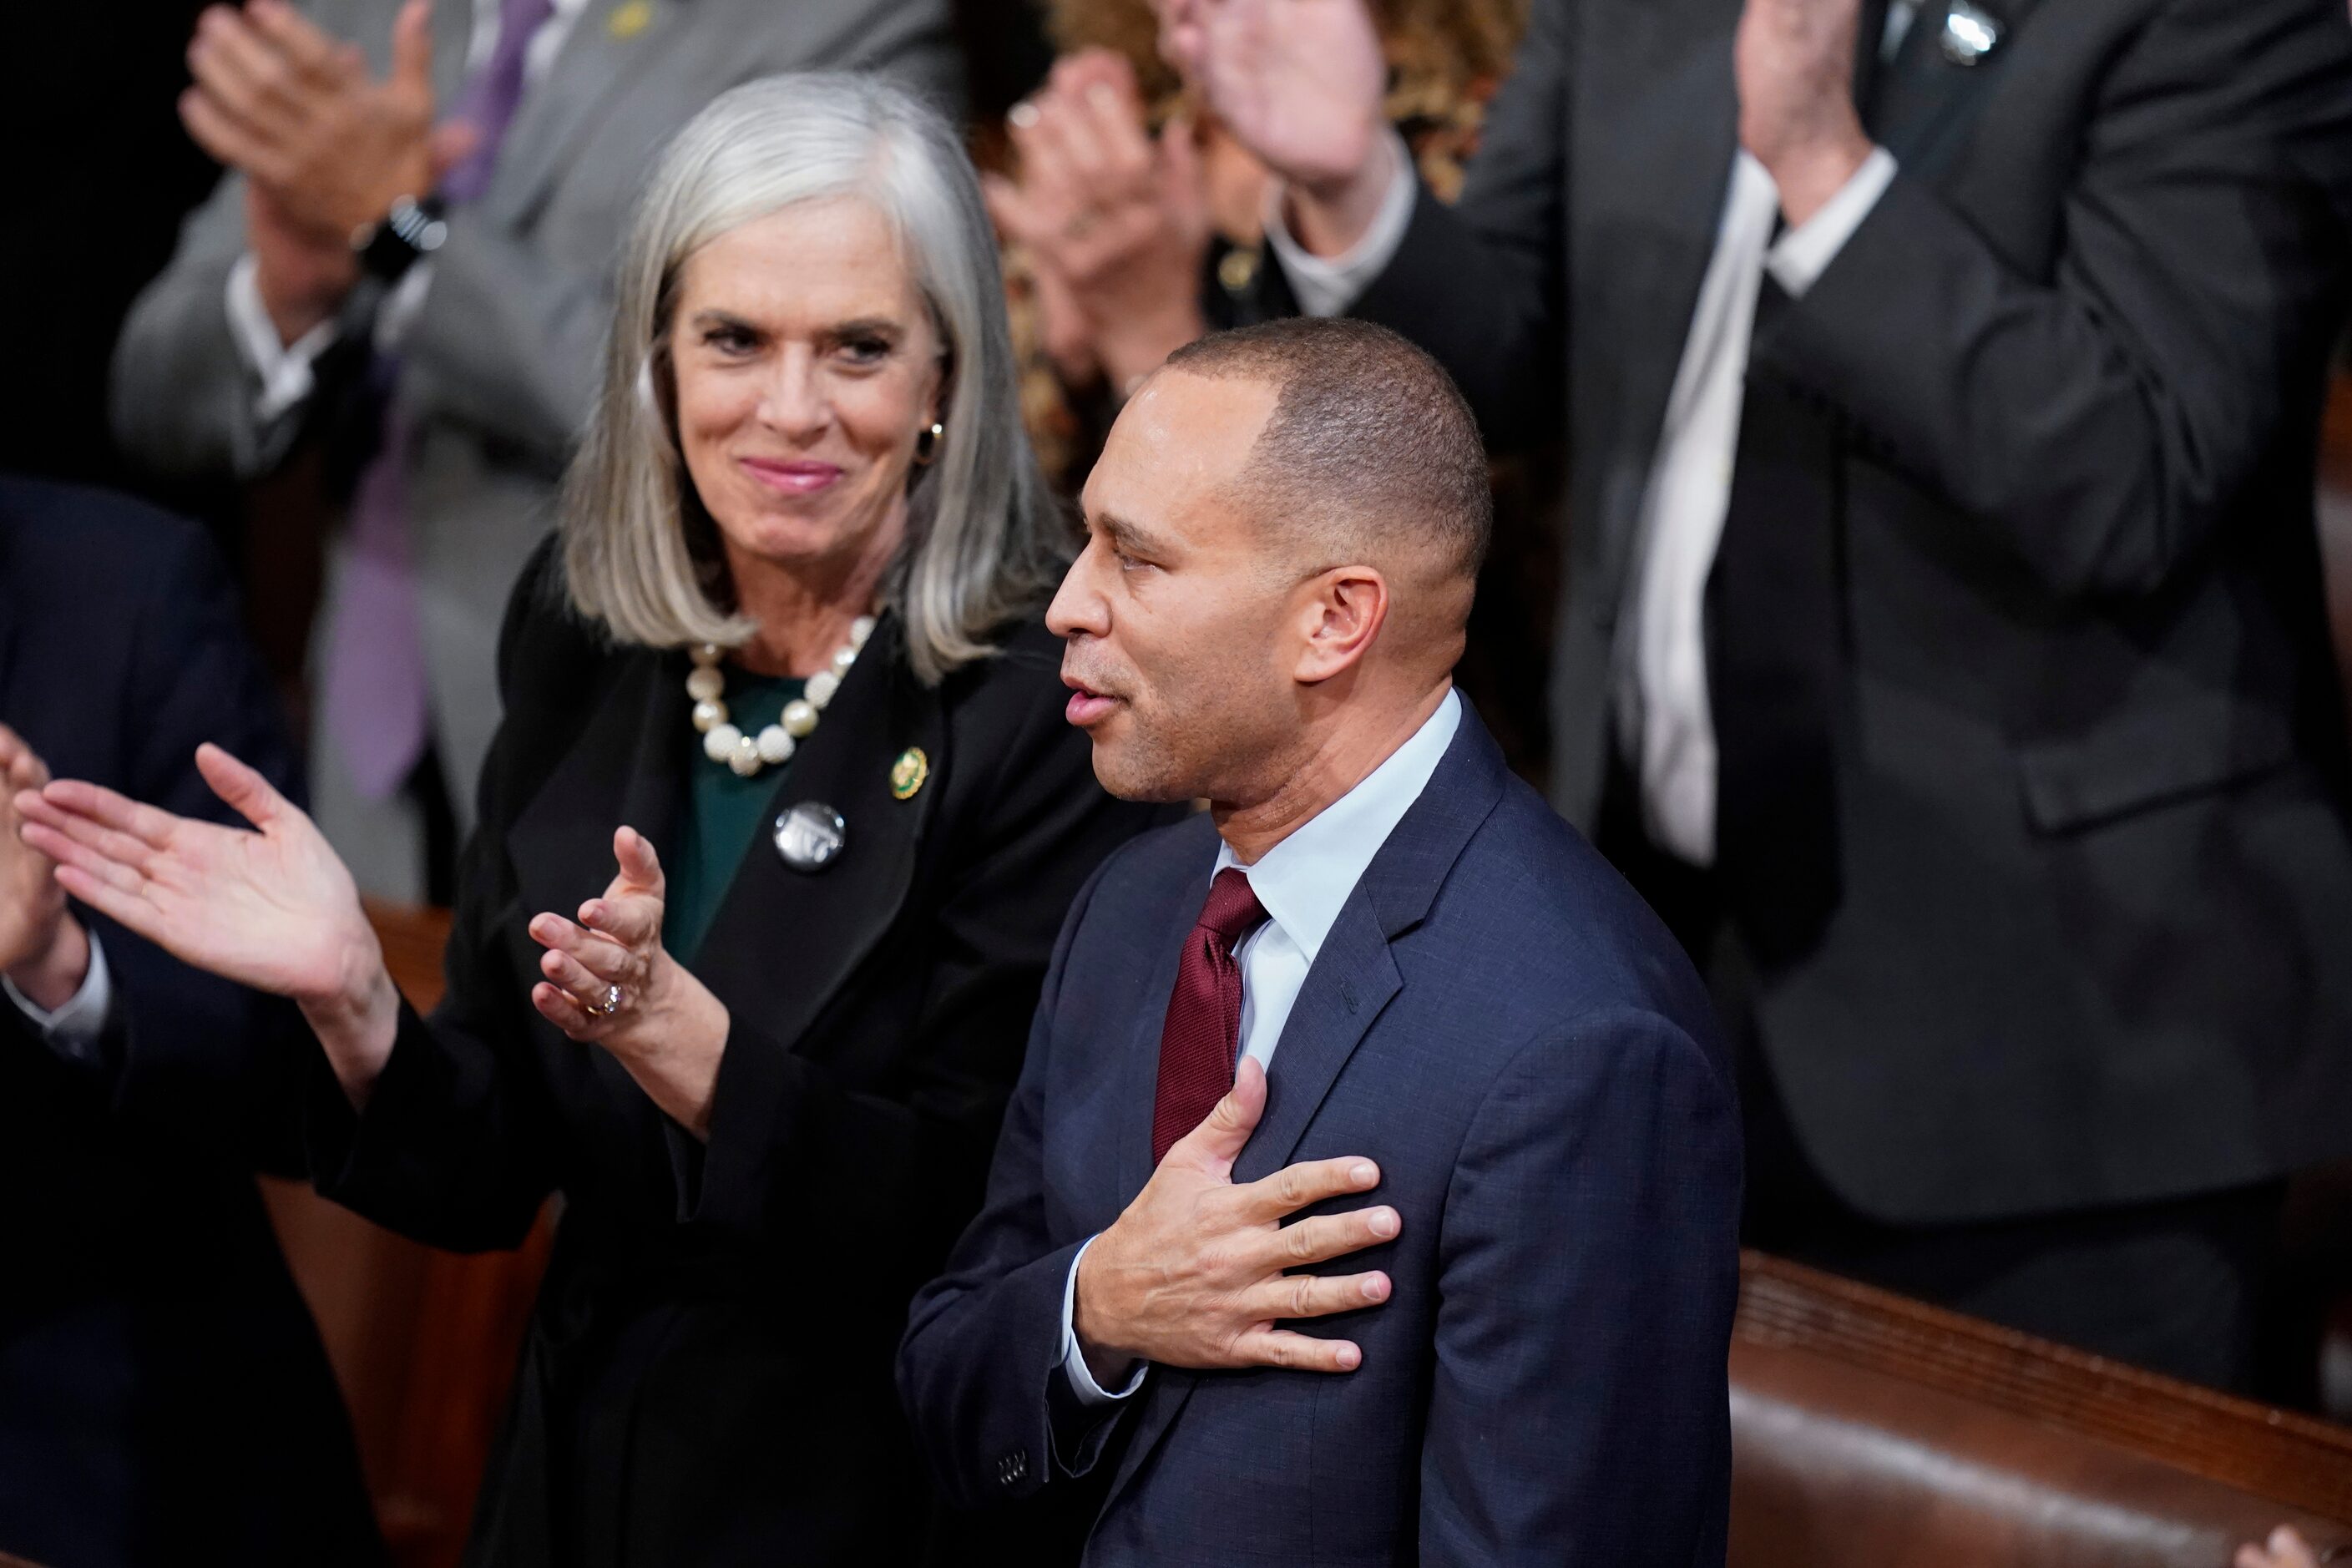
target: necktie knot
1232 910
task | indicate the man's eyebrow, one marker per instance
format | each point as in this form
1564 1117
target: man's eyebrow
1130 536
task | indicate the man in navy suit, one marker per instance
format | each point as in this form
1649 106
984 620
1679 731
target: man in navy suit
164 1395
1372 1187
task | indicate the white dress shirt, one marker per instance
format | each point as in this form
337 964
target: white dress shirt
75 1025
287 371
1665 726
1303 883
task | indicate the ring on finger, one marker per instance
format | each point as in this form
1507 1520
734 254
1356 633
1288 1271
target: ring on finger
608 1006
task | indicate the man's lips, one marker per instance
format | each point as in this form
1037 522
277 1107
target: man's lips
796 477
1086 704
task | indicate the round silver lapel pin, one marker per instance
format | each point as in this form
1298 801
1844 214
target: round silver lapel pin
810 835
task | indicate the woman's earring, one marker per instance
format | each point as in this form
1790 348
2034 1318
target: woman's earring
927 443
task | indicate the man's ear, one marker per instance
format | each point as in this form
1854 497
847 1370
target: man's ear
1341 613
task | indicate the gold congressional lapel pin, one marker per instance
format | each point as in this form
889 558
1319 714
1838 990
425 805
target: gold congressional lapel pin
908 774
629 19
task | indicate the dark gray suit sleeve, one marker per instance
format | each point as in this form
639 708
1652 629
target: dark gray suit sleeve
1480 285
1588 1271
182 399
2103 421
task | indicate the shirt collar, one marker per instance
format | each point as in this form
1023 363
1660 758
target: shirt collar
1305 880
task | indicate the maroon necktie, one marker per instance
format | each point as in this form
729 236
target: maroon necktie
1200 1045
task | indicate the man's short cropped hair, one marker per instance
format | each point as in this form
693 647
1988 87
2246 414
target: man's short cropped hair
1371 449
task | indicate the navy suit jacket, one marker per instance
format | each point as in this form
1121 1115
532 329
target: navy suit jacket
163 1395
1509 1032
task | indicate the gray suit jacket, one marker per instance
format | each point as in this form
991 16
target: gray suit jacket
498 371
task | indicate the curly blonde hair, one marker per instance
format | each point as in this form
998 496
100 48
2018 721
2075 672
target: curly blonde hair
1445 58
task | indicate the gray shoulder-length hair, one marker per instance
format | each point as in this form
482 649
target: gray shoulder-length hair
985 542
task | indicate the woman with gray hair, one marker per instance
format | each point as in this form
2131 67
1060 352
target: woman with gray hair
779 828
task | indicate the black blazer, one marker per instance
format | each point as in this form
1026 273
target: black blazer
706 1378
2089 785
161 1383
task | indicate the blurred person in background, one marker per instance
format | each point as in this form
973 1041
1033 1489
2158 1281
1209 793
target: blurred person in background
1134 224
410 257
1133 221
1944 652
787 670
164 1395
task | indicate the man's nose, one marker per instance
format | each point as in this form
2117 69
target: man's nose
1078 608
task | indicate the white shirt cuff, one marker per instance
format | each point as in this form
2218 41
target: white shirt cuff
1799 257
77 1022
1326 286
1074 1360
285 369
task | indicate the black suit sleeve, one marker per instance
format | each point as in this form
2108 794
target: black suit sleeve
1481 285
182 1049
455 1145
979 1370
2103 421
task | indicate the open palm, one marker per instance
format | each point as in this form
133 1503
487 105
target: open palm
1298 82
272 908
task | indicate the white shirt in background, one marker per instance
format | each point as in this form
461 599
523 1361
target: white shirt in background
1664 727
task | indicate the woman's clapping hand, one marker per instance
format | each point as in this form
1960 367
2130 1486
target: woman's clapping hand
664 1024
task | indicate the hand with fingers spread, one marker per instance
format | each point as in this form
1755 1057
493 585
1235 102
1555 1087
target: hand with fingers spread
1115 221
43 952
272 908
610 982
1192 1274
298 113
1300 84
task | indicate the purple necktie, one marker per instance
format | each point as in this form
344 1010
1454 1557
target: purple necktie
374 677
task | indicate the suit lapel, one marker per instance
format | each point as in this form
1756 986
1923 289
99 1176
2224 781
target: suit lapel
1654 145
1139 1086
1921 96
790 939
626 767
1352 979
598 57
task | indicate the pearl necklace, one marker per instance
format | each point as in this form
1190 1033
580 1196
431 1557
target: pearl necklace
723 742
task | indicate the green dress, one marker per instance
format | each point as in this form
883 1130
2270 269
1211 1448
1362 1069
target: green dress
724 813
